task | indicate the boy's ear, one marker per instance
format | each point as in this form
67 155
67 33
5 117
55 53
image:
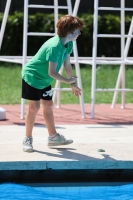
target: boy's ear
69 33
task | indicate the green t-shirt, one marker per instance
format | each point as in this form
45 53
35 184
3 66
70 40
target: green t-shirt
35 72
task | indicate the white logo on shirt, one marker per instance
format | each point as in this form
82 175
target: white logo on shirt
47 93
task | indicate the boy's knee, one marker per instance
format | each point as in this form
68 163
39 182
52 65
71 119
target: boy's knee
48 104
34 108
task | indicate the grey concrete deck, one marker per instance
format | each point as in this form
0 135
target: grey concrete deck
116 140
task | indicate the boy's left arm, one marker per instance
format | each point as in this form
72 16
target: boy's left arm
68 68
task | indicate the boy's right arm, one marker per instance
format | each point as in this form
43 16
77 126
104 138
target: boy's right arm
53 73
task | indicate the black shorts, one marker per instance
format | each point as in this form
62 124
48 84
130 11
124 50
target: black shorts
31 93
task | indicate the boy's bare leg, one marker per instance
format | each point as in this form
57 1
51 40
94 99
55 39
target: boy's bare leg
48 116
29 123
55 138
30 116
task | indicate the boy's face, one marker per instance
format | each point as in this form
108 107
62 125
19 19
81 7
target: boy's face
73 36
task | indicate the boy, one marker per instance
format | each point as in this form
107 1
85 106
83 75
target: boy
38 74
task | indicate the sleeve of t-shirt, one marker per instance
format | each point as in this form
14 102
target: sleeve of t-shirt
70 47
52 54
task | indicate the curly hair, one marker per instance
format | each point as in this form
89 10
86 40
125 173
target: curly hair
67 24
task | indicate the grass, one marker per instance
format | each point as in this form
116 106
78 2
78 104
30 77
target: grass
10 84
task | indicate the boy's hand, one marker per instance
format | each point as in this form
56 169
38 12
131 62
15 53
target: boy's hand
75 90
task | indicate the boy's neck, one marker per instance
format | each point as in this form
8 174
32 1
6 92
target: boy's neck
64 40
